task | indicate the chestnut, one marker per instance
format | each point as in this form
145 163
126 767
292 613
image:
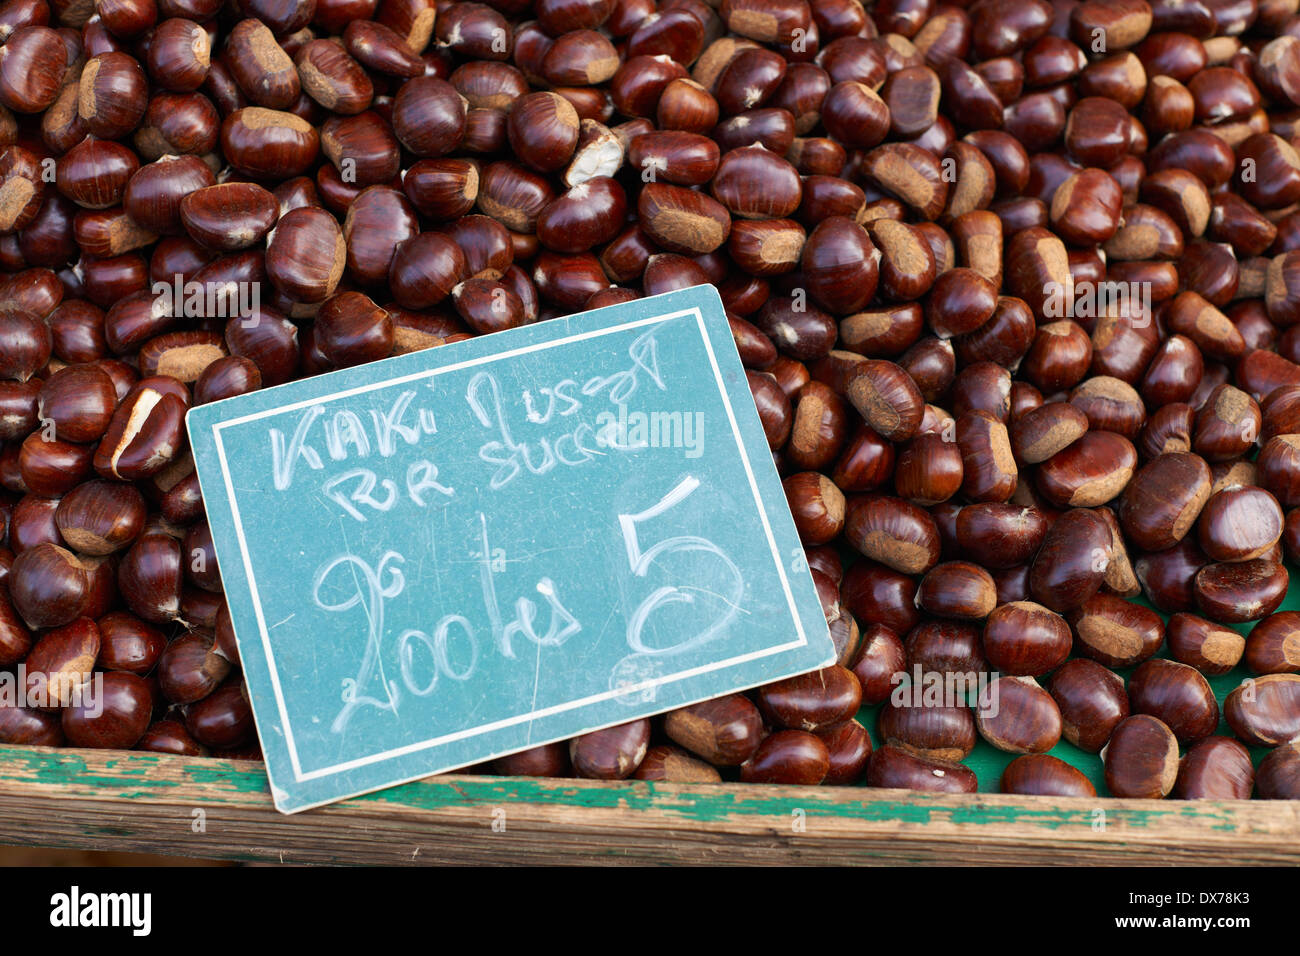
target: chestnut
79 400
682 221
112 95
32 68
945 647
128 643
1263 711
814 701
48 585
58 669
170 737
929 470
1022 638
893 532
543 129
1240 591
144 435
999 535
817 506
881 658
1238 524
1278 775
1116 632
895 768
118 720
190 668
1141 758
150 577
29 727
957 589
850 748
1273 645
887 398
268 144
724 731
788 756
1164 499
15 638
100 517
27 344
1179 695
1211 648
671 764
610 754
1017 715
935 731
1091 471
1042 775
1092 701
1216 768
1071 564
179 55
989 471
351 330
1168 576
223 719
589 214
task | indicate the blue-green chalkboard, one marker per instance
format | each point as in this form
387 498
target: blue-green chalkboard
472 550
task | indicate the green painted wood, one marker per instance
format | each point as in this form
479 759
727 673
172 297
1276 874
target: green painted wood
132 801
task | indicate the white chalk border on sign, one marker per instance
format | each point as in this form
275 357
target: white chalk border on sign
207 423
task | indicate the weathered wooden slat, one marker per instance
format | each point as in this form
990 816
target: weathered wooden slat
222 809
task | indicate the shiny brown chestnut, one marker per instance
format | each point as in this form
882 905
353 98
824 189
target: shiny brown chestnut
48 585
935 731
1273 645
945 647
1042 775
223 719
1278 776
814 701
670 764
150 578
170 737
1211 648
1017 715
612 753
724 731
117 720
893 532
1216 768
1141 758
1071 564
1240 591
59 667
1116 632
190 668
788 756
1264 711
957 589
126 643
1179 695
1164 499
895 768
1022 638
351 330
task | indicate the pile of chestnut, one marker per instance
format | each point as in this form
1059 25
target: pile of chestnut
1016 282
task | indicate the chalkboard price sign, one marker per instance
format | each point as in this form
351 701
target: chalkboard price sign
465 552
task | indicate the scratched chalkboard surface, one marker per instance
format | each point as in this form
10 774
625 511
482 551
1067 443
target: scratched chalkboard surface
465 552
